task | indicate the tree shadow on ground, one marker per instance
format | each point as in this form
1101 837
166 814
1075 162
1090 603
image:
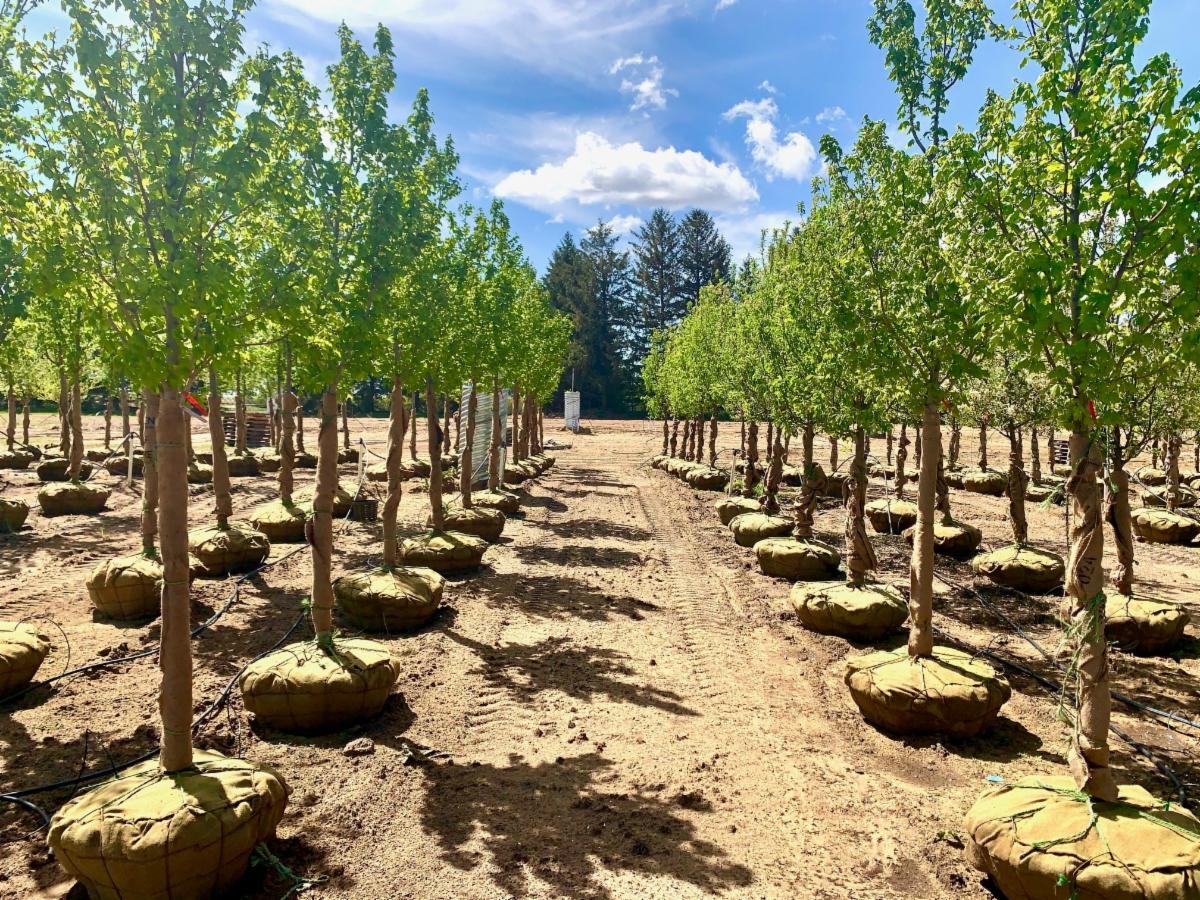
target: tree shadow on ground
558 598
560 664
571 555
598 529
579 832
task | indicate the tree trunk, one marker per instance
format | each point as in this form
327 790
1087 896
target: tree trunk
1050 450
10 431
674 437
123 403
397 425
64 413
942 489
175 651
920 572
774 474
412 418
445 423
666 435
983 460
750 478
189 453
917 446
239 417
1154 452
833 453
1035 463
712 440
770 438
807 447
222 489
494 473
901 461
25 420
320 526
743 436
1174 446
687 438
435 462
1017 482
75 420
108 414
890 445
515 439
1083 609
955 443
467 463
1118 513
345 424
149 472
300 424
287 454
860 555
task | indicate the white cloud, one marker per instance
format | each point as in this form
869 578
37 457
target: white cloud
644 81
622 225
792 156
724 4
767 87
601 173
832 116
548 35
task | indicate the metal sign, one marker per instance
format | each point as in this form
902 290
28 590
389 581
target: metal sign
482 445
571 410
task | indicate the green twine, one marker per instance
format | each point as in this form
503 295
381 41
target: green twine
262 856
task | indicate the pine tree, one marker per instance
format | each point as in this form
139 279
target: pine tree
705 254
658 279
568 282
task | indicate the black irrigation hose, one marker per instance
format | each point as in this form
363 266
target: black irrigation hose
18 797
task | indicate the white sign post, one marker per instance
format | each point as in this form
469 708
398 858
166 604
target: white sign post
571 410
482 445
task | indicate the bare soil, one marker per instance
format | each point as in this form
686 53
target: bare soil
617 705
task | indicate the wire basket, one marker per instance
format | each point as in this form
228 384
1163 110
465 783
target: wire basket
365 509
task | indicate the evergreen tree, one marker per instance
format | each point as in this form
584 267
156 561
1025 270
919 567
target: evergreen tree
610 332
568 284
658 279
704 253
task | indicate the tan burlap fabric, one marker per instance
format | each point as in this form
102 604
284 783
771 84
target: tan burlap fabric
56 469
282 523
70 499
22 652
388 601
949 693
147 835
891 516
731 507
128 587
1161 526
989 482
750 528
505 501
863 613
443 551
1024 568
13 513
704 478
221 551
481 521
303 688
1143 626
1040 838
797 559
953 539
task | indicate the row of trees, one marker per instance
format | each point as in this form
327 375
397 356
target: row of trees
618 298
1040 269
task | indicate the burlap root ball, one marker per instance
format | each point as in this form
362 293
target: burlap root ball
119 465
956 539
792 476
1038 840
750 528
1025 568
1143 626
863 613
56 469
443 551
268 459
1039 493
147 835
302 688
68 498
378 473
342 501
1152 477
707 479
834 484
891 516
543 461
128 587
505 501
348 455
416 468
222 551
984 481
389 600
797 558
516 474
243 465
732 507
948 693
656 462
15 459
22 652
281 523
478 520
199 473
1161 526
13 513
1158 497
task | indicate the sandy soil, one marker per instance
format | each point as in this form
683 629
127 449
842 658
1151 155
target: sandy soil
623 706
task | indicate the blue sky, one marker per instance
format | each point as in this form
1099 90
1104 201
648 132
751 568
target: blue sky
578 110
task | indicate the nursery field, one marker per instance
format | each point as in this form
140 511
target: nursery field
617 705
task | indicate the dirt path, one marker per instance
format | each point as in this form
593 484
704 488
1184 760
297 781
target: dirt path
623 707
